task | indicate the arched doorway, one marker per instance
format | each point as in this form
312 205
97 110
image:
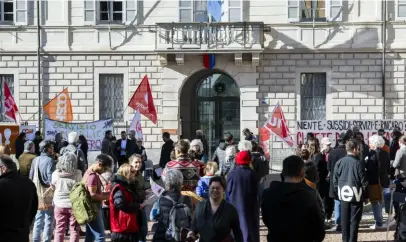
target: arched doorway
210 101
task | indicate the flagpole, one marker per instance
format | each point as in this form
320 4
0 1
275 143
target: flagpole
39 62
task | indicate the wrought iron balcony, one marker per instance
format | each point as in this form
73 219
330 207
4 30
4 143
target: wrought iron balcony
216 37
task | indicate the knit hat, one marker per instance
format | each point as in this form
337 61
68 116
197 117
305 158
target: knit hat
27 146
243 158
73 137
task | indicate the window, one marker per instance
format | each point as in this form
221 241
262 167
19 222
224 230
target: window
10 82
401 9
110 12
313 91
314 10
111 101
196 11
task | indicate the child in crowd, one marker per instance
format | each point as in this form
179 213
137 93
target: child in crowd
202 188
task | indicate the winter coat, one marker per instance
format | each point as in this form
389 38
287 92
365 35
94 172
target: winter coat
381 169
313 188
24 162
202 188
63 183
124 211
220 153
227 165
349 173
166 153
334 156
140 186
400 162
17 208
394 147
260 164
36 143
218 226
291 213
80 157
19 147
161 218
242 193
106 147
321 165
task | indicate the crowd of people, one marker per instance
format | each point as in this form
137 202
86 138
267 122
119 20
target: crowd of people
216 198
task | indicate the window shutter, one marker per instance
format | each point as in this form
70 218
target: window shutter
293 10
21 12
186 11
335 10
90 12
130 10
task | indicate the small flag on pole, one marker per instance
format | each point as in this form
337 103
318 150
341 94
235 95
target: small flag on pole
136 125
143 101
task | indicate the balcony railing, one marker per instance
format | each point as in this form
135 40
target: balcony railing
172 37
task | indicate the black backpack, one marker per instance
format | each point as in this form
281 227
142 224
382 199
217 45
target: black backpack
400 232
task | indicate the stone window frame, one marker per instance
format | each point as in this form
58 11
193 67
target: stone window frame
91 12
295 7
225 9
126 96
329 94
16 92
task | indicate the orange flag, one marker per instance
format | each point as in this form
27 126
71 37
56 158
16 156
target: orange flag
60 108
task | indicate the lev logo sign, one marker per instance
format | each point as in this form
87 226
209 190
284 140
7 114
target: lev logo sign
347 193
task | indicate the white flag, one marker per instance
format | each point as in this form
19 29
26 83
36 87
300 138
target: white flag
136 126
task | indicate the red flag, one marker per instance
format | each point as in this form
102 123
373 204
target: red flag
143 101
278 126
10 105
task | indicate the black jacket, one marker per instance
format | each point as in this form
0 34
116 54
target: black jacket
334 156
166 153
350 176
128 148
284 201
321 165
19 147
18 206
378 164
215 228
36 143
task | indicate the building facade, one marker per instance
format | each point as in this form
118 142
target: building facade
321 59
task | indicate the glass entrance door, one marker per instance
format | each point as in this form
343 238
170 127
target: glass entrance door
218 109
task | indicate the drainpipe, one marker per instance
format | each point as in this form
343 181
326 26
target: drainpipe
384 18
39 63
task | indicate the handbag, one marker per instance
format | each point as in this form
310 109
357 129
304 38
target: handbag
45 193
375 190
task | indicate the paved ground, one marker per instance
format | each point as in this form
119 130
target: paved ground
365 234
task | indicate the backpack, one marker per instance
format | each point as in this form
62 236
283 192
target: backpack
82 207
179 217
400 232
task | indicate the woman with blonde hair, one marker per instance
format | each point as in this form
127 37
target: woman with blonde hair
210 171
124 207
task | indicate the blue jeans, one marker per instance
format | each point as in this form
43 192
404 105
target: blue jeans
43 224
337 212
386 199
377 210
95 229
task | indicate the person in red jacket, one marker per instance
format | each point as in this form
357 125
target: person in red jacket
124 223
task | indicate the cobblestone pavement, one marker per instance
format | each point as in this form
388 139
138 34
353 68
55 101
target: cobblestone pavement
365 234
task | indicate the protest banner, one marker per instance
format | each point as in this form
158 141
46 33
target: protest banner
93 131
333 128
29 130
8 136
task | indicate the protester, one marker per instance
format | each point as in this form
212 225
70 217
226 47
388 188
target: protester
311 179
290 209
106 144
377 168
160 211
123 149
197 147
215 219
334 156
18 202
95 229
63 179
202 188
25 160
248 135
363 147
46 166
304 154
58 143
229 162
328 201
83 146
73 138
318 159
381 132
350 182
200 135
400 165
141 189
166 150
19 144
140 150
106 178
219 154
124 207
38 138
242 193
